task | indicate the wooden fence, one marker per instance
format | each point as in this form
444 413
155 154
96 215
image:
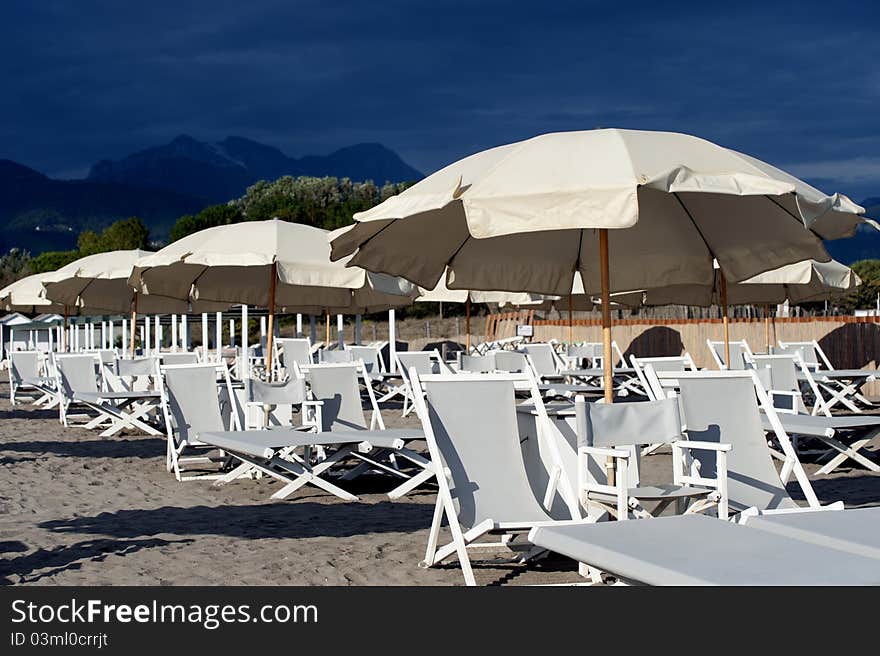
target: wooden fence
849 342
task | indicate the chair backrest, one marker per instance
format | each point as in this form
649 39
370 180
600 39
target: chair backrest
191 398
136 367
724 409
510 361
811 352
471 429
783 371
369 355
667 363
424 362
336 386
291 392
739 353
478 364
179 358
77 374
294 349
24 365
543 357
334 356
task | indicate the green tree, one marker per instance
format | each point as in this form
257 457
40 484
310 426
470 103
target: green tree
14 265
865 295
209 217
123 235
51 260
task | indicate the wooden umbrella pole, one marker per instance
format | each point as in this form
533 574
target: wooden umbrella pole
724 319
271 327
327 328
134 311
606 316
767 326
64 332
570 321
606 336
467 324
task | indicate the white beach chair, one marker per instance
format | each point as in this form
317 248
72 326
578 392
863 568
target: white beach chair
423 362
470 425
739 352
27 373
192 404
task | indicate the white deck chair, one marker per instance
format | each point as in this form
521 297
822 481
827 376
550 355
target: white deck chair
470 425
476 364
192 404
615 431
591 354
27 373
77 383
423 362
667 363
335 356
784 390
337 389
545 361
839 386
739 351
294 350
726 406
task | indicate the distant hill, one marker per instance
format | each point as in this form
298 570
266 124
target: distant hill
38 213
223 170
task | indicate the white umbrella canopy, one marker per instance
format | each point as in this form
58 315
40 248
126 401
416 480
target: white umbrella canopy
800 282
797 283
235 263
25 295
523 217
526 216
101 281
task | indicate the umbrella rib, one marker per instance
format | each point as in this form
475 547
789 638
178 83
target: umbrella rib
800 221
696 227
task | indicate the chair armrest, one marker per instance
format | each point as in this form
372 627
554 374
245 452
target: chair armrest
313 403
705 446
603 451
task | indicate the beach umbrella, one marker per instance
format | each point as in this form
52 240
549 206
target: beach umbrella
528 215
101 281
274 264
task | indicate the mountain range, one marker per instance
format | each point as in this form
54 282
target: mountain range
223 170
38 213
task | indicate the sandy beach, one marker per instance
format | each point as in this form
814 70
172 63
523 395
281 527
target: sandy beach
78 509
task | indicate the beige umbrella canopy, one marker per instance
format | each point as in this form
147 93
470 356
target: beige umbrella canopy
526 216
101 280
273 264
25 295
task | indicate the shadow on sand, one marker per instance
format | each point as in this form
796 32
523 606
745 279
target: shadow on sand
148 447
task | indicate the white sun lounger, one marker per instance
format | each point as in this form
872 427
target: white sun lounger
470 425
26 374
700 550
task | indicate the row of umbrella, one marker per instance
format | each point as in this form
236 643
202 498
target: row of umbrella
688 222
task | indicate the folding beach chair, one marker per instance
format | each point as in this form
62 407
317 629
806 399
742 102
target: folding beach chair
739 351
726 407
844 437
476 364
115 410
545 361
335 356
294 350
838 548
125 375
337 389
590 354
423 362
669 363
27 374
838 386
196 398
613 432
186 357
470 425
272 404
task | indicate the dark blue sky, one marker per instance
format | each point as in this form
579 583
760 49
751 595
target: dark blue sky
795 84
